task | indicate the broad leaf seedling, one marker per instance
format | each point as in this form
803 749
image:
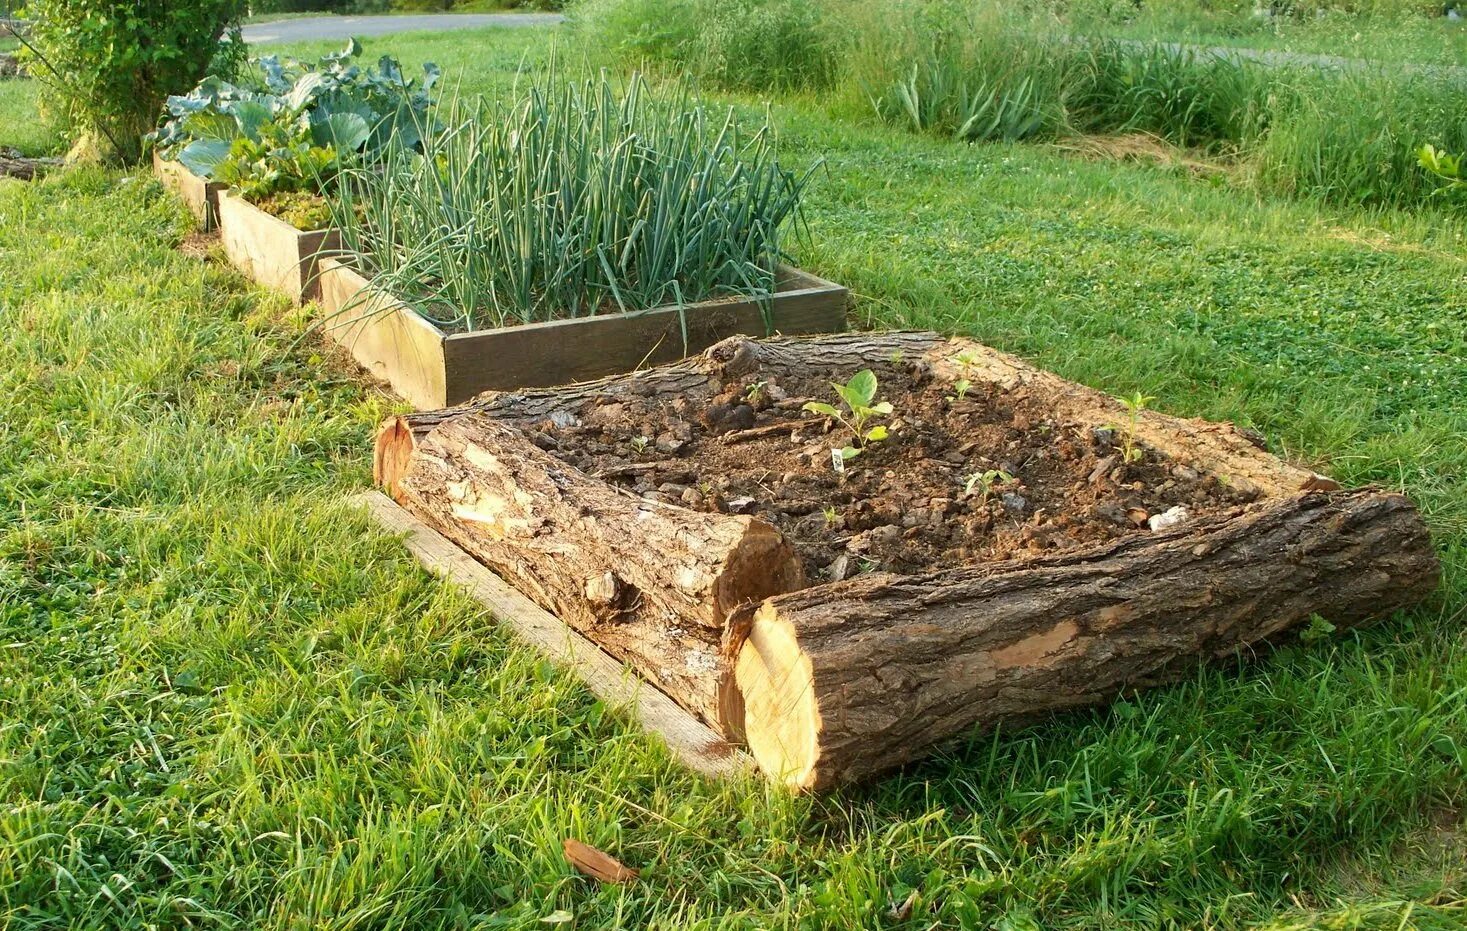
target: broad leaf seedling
858 396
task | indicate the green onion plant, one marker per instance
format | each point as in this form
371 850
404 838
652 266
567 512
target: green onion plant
572 198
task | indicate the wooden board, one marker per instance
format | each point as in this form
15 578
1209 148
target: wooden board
391 340
690 740
200 196
271 251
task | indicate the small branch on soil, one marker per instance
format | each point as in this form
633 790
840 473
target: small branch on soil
769 429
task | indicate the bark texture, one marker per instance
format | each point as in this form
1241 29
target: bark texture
840 681
651 583
843 681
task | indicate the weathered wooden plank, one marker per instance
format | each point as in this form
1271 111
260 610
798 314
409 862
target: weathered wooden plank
555 352
269 250
383 335
688 738
200 196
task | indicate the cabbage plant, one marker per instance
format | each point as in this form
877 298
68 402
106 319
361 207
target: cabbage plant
300 125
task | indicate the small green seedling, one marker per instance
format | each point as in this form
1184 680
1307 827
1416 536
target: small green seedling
640 443
858 395
1135 404
831 515
754 392
961 388
1317 630
986 482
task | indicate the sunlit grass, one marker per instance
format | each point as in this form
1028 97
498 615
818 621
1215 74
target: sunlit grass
225 701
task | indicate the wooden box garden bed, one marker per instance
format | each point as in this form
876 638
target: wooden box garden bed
1018 544
200 196
432 368
270 251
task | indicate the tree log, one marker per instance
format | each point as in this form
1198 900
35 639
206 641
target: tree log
842 681
651 583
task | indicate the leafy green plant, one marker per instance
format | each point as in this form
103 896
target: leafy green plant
573 198
985 483
1130 450
859 397
311 120
961 387
107 65
1444 165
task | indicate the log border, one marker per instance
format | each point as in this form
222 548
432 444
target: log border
690 740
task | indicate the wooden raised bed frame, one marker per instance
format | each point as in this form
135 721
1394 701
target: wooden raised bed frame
272 252
200 196
834 682
433 369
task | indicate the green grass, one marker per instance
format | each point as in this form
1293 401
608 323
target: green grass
1415 39
20 126
226 702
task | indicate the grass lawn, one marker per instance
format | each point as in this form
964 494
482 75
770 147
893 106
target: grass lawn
226 702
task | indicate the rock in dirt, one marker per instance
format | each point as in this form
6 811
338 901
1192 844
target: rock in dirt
1171 517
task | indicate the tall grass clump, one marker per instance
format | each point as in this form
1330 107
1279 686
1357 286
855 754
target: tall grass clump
781 45
1190 99
975 79
570 199
1352 136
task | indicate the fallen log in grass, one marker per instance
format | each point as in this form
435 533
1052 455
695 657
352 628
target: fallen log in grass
838 681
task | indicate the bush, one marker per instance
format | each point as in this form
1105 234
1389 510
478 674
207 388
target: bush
112 63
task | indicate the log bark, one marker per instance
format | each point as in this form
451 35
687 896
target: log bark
651 583
842 681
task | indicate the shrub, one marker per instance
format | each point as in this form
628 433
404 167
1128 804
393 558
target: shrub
111 63
574 199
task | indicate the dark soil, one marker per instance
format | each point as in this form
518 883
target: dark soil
908 502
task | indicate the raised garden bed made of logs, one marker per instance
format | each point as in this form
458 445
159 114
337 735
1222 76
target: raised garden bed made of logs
272 252
689 521
199 195
432 368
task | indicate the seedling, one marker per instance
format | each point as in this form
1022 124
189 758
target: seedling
857 395
754 392
640 443
986 482
960 388
1135 404
831 515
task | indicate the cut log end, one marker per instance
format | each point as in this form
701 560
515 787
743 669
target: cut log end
392 454
781 718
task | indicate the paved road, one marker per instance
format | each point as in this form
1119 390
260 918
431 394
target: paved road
344 27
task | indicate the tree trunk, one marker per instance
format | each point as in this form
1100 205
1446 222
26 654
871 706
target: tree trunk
842 681
652 583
